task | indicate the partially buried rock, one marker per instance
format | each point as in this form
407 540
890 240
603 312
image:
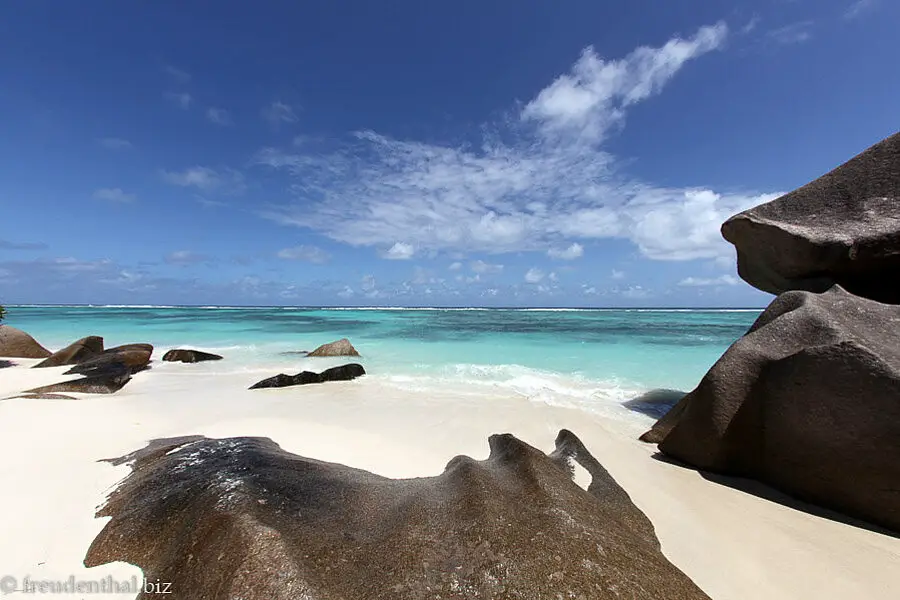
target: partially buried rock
130 358
44 397
808 401
74 353
342 347
107 383
242 518
15 343
189 356
342 373
843 228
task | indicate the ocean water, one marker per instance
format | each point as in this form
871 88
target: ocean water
578 356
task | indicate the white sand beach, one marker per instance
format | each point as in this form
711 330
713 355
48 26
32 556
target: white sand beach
734 545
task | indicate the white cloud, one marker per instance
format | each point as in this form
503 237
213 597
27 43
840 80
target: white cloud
590 291
112 143
455 266
537 183
859 8
279 113
185 257
179 75
347 292
481 267
114 195
367 284
592 97
219 116
709 282
182 100
635 292
574 251
534 275
311 254
553 277
795 33
617 274
206 179
399 251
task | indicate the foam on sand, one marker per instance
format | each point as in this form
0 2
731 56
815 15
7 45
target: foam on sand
732 544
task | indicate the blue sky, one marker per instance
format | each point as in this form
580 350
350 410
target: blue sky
577 153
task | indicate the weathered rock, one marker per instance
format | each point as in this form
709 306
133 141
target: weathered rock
341 373
44 397
242 518
842 228
105 383
808 401
342 347
189 356
74 353
15 343
123 359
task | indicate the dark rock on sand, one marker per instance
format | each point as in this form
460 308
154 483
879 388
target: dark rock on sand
655 403
74 353
189 356
242 518
808 401
342 347
341 373
842 228
105 383
44 397
122 359
15 343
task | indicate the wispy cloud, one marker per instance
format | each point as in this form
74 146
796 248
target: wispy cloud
574 251
112 143
795 33
7 245
178 75
534 275
483 268
311 254
709 282
206 179
540 181
859 8
399 251
185 257
219 116
279 113
617 274
455 266
182 100
114 195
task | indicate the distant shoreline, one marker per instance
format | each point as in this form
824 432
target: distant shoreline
461 308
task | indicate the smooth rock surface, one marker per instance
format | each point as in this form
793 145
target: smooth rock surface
74 353
843 228
106 383
242 518
808 401
15 343
342 347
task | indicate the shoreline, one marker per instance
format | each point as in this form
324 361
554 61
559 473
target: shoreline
731 543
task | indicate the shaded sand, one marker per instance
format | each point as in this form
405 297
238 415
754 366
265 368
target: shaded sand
732 544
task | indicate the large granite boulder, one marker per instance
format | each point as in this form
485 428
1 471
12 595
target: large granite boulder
15 343
842 228
341 373
108 382
342 347
242 518
129 358
807 401
189 356
74 353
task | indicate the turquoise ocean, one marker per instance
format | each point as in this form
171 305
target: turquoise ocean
580 356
